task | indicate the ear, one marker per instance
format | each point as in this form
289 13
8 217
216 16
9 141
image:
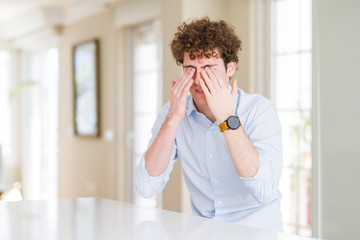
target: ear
231 67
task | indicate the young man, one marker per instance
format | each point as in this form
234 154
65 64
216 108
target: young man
231 167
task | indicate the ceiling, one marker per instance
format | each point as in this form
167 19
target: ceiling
18 17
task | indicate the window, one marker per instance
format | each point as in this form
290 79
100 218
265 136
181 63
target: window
6 160
39 123
146 93
291 80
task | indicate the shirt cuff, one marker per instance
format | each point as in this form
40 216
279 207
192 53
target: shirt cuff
146 185
146 175
260 185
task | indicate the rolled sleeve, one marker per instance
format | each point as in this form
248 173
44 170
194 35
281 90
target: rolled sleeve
265 134
146 185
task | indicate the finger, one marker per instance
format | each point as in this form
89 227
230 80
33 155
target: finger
183 78
218 82
208 81
187 88
178 82
184 83
204 88
234 88
173 84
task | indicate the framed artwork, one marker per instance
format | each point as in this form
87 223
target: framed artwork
86 88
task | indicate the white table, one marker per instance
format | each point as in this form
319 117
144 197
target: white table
100 219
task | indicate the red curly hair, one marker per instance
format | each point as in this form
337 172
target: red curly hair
201 37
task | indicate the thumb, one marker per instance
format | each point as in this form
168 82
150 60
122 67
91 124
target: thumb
234 88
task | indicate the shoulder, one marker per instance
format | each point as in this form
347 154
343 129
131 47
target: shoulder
255 108
251 102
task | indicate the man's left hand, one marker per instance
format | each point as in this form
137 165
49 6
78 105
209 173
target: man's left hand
221 102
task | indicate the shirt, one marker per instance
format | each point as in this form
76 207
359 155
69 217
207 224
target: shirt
216 189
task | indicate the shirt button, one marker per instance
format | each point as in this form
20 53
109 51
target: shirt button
210 155
215 181
219 202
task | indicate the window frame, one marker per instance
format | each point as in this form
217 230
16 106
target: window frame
262 20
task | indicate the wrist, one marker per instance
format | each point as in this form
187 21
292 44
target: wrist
225 116
173 121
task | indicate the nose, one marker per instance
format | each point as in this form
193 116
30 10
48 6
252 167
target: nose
197 77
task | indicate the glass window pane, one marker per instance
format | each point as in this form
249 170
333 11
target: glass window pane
287 26
146 90
305 77
6 177
305 140
292 85
142 56
305 25
287 77
142 131
289 185
305 198
5 113
291 129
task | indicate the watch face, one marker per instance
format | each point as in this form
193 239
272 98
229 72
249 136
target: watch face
233 122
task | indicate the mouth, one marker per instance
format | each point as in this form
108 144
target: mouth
199 91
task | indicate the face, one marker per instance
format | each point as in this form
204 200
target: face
215 64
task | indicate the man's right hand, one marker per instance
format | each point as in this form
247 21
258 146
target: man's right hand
158 155
179 90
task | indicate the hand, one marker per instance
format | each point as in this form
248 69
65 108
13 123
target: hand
221 102
179 90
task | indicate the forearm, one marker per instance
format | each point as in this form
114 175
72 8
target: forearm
158 155
243 153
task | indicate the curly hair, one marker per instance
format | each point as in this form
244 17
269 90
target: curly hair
201 37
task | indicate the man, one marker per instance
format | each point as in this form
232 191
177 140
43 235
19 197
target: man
231 167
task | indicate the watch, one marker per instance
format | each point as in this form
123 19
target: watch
233 122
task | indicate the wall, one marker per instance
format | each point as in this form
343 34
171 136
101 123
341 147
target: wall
171 18
338 69
87 166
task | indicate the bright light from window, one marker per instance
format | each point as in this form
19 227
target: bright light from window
291 84
5 119
146 94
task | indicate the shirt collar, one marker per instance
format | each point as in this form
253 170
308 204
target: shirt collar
191 107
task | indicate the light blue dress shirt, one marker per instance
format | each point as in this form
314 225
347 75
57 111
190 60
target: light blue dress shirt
216 189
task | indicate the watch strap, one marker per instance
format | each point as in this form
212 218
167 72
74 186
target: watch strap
223 126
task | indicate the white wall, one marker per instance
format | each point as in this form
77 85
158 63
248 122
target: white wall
338 54
88 166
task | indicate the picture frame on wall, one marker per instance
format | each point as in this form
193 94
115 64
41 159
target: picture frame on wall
86 88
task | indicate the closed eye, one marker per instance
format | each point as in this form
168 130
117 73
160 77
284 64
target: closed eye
187 68
213 66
